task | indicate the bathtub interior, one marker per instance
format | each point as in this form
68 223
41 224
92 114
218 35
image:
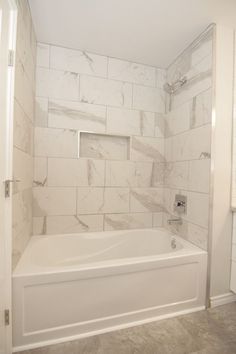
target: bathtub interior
88 250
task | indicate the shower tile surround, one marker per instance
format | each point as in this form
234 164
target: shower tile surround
23 131
188 140
117 180
169 142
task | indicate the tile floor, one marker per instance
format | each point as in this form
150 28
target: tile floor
206 332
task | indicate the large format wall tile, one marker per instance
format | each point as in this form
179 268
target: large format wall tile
74 224
130 122
102 200
23 130
76 115
41 112
192 145
148 99
188 140
147 149
40 171
106 92
75 172
76 97
54 201
128 221
146 199
57 84
102 135
24 94
77 61
128 174
43 55
131 72
55 142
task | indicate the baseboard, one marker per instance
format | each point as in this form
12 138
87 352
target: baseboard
222 299
106 330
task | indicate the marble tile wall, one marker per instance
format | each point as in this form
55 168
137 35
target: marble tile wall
188 139
116 180
23 130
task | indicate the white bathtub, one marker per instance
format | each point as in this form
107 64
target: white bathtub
70 286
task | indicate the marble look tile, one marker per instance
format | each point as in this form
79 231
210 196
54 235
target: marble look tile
197 235
21 223
23 130
169 198
89 200
43 55
41 112
202 49
190 57
131 72
22 170
57 84
168 149
120 173
148 123
197 208
178 229
160 78
100 146
106 92
148 99
40 172
77 115
177 174
146 199
26 44
128 221
160 125
158 174
201 109
24 90
75 172
130 122
116 200
77 61
54 201
147 149
100 200
123 121
199 79
128 173
74 224
199 175
55 142
157 219
178 119
39 225
191 145
143 174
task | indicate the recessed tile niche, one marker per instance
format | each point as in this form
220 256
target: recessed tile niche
101 146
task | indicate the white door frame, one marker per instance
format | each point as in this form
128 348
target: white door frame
8 167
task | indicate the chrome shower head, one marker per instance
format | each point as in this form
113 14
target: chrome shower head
172 88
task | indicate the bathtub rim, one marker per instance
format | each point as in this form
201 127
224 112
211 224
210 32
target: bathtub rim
188 249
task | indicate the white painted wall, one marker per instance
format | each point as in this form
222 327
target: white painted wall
220 243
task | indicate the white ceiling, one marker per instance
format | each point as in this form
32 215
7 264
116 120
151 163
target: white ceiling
145 31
